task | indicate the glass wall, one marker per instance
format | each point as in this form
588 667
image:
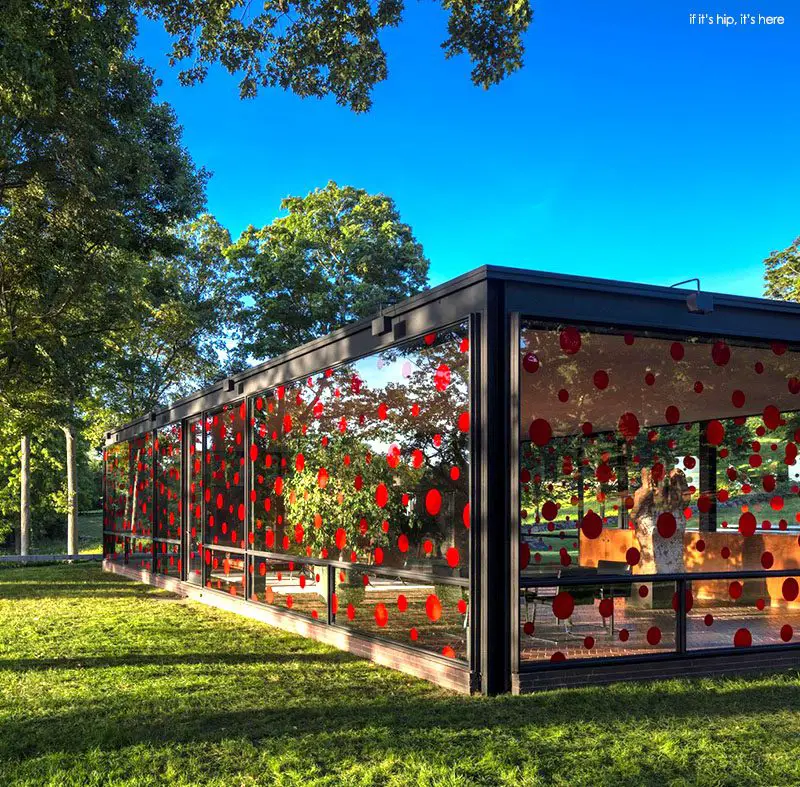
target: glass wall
646 455
169 508
366 463
334 497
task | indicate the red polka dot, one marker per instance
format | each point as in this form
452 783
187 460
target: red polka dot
592 525
529 628
654 635
790 589
767 560
776 503
381 615
433 608
540 432
588 643
341 538
414 634
738 398
524 556
465 515
666 525
742 638
351 611
463 422
624 635
441 378
381 496
606 607
402 542
735 590
558 656
633 556
708 620
433 501
530 363
644 591
563 395
676 351
720 353
672 414
452 557
600 379
786 632
448 652
747 524
715 432
772 417
563 605
549 511
628 339
570 340
629 426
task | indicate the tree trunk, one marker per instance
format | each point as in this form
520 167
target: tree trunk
72 491
24 496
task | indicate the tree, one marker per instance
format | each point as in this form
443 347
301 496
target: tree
92 176
177 342
319 47
339 255
782 273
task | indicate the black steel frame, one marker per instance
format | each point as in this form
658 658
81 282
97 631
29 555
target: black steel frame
494 300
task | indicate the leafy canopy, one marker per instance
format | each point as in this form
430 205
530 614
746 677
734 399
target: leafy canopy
339 255
321 47
782 274
92 178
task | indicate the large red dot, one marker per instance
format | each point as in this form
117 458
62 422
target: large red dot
433 501
433 608
606 607
786 632
672 414
524 555
600 379
530 363
720 353
633 556
772 417
735 590
715 432
592 525
676 351
738 398
540 432
666 525
452 557
441 378
742 638
549 511
790 589
629 425
654 635
563 605
747 524
381 496
381 615
570 340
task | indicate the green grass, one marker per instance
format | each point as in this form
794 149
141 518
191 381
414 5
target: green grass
105 681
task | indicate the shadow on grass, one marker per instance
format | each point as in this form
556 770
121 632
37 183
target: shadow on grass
396 723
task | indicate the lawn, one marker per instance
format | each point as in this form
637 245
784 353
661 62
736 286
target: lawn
105 681
90 538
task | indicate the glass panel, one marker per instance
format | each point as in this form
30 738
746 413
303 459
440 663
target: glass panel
114 547
655 455
224 477
740 612
369 462
290 585
140 553
140 501
167 559
194 568
168 475
117 484
596 621
224 571
420 613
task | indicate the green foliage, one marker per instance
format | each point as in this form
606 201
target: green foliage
175 343
92 177
782 273
48 485
319 47
105 681
337 256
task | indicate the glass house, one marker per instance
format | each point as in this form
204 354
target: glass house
510 481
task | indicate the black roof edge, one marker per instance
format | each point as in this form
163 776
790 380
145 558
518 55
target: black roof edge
475 276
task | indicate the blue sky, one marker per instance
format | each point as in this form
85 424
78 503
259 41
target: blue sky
632 145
